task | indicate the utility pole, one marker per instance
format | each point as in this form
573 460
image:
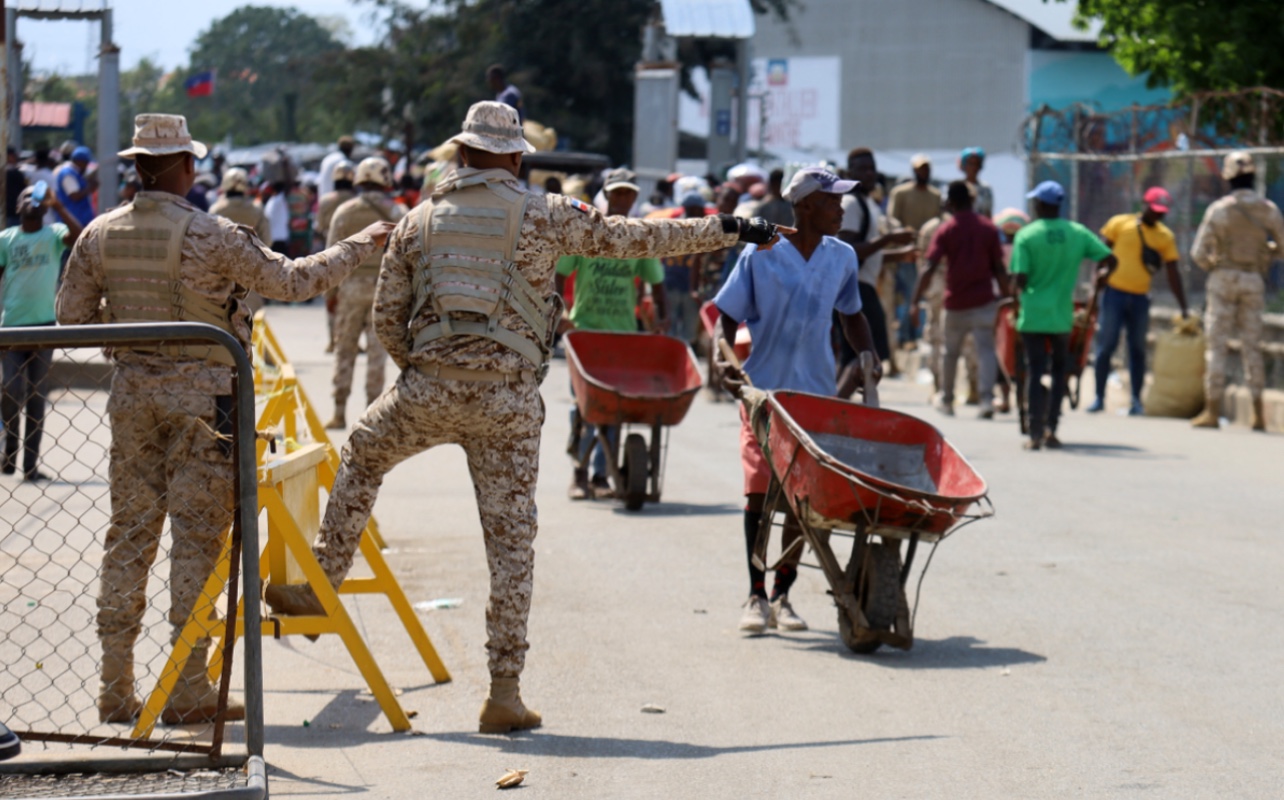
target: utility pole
4 98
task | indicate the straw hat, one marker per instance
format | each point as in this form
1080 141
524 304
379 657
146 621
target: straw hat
162 135
493 127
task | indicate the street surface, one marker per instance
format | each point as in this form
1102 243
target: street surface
1109 633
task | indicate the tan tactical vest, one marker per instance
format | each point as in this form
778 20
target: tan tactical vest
467 273
240 210
141 251
362 212
1247 240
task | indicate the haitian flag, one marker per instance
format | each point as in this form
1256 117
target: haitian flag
200 85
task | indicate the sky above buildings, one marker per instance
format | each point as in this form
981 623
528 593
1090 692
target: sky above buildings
162 30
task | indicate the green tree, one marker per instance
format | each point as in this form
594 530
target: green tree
1193 45
573 61
268 61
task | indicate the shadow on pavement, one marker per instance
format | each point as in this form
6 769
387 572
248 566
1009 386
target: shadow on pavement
343 722
552 744
956 652
276 773
684 510
1107 450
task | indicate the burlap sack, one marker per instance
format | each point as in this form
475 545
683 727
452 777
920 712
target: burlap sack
1177 384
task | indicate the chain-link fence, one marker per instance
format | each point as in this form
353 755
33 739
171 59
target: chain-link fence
130 500
1107 160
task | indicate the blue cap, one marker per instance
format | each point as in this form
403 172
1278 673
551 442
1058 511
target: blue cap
82 153
979 152
693 200
1049 192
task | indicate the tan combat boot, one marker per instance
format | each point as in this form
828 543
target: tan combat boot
1259 415
503 711
337 422
1209 417
117 701
194 699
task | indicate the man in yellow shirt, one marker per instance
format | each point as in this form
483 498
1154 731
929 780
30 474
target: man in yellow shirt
1143 245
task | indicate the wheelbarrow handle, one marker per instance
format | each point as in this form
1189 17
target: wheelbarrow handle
729 355
869 386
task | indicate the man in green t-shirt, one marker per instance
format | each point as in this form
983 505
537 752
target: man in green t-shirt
1046 256
30 260
606 293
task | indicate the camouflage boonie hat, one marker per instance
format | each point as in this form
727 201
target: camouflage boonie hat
374 170
162 135
236 180
1238 163
495 128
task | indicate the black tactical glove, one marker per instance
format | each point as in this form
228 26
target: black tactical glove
751 231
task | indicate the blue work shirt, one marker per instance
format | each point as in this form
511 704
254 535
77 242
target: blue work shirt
788 304
68 180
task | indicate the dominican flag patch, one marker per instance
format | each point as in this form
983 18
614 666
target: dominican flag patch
580 206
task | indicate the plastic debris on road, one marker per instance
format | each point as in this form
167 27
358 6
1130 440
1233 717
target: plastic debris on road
439 603
652 708
511 778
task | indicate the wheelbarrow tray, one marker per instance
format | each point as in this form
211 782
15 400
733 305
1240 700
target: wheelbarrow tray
1007 340
639 378
846 465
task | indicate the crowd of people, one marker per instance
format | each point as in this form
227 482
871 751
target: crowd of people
465 271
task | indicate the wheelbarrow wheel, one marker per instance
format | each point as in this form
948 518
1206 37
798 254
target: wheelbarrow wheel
878 595
637 469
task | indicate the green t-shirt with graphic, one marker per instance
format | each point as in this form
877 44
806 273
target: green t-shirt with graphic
606 290
30 263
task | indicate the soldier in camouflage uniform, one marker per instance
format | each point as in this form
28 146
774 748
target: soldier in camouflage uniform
466 308
153 260
343 174
237 205
1236 243
357 293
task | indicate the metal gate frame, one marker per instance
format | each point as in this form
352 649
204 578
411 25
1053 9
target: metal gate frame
245 524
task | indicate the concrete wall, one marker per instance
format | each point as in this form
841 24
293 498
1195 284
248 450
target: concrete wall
917 74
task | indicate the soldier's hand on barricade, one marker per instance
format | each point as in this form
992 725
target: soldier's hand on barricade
380 231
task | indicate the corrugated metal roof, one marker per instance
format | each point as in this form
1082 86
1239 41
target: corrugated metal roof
1053 18
46 115
721 19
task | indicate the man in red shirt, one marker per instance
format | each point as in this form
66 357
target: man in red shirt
970 245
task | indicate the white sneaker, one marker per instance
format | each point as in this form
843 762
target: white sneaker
757 613
784 617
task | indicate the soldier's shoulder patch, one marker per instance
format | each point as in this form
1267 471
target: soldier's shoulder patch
580 205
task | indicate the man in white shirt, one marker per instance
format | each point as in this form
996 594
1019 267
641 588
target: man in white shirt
278 214
862 221
325 184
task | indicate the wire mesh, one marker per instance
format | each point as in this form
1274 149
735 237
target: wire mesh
115 516
175 782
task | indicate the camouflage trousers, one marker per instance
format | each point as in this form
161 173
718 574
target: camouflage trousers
1236 302
353 315
498 426
166 458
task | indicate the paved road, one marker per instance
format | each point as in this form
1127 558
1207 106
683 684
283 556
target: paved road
1114 631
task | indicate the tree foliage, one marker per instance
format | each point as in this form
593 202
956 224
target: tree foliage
573 61
1194 45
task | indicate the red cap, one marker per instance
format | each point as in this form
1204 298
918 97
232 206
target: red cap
1158 199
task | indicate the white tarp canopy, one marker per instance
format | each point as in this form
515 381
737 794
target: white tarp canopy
716 19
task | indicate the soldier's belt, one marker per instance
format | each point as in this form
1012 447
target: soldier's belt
446 373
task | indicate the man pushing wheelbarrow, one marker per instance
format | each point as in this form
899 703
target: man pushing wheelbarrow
786 295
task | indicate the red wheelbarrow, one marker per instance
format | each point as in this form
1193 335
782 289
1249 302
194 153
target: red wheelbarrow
879 477
1007 342
626 379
